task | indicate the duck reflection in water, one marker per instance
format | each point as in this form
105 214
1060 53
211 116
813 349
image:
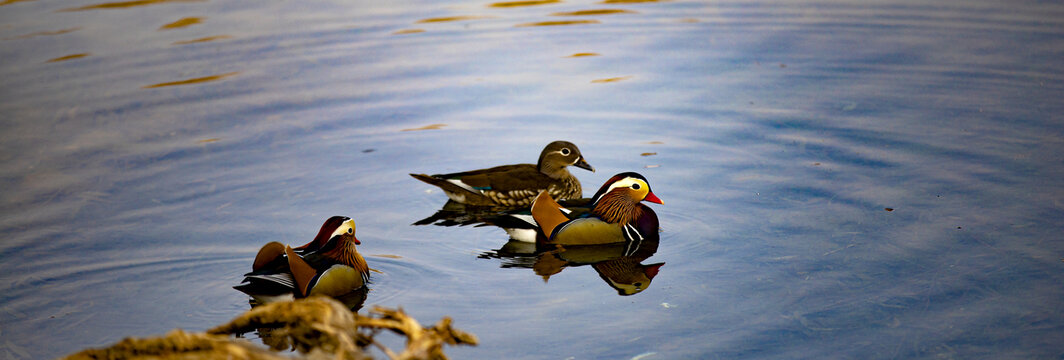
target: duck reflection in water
329 265
619 265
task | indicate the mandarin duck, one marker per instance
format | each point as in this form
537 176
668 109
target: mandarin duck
328 265
516 185
616 215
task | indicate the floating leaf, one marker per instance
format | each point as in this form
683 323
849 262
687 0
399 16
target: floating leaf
523 3
44 33
427 127
69 57
648 154
189 21
202 39
8 2
609 80
594 12
126 4
408 31
558 23
584 54
452 18
192 81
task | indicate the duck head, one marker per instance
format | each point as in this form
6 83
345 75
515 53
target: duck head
559 154
340 227
616 200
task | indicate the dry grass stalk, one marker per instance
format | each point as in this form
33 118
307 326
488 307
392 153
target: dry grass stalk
318 327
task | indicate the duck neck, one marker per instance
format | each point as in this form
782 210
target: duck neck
553 170
346 254
616 208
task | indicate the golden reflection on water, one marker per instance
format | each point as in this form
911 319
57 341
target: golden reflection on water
558 23
44 33
126 4
583 54
189 21
453 18
193 81
609 80
9 2
427 127
630 1
594 12
202 40
69 57
523 3
408 31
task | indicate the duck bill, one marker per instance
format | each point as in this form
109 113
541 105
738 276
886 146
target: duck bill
652 270
355 240
581 163
653 198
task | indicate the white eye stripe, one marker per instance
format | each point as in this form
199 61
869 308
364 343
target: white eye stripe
347 227
626 182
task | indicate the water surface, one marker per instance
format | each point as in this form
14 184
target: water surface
841 179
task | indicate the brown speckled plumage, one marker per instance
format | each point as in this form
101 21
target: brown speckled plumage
516 185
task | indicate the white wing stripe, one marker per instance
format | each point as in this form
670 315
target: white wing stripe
284 279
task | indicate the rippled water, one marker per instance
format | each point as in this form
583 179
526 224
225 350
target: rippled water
841 179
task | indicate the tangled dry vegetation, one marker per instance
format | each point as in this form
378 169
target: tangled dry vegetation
317 327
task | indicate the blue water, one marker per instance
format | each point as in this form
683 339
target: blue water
841 179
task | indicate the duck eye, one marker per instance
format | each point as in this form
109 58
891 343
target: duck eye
565 152
635 186
350 230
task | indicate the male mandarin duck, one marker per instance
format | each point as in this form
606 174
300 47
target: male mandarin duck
617 215
328 265
516 185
